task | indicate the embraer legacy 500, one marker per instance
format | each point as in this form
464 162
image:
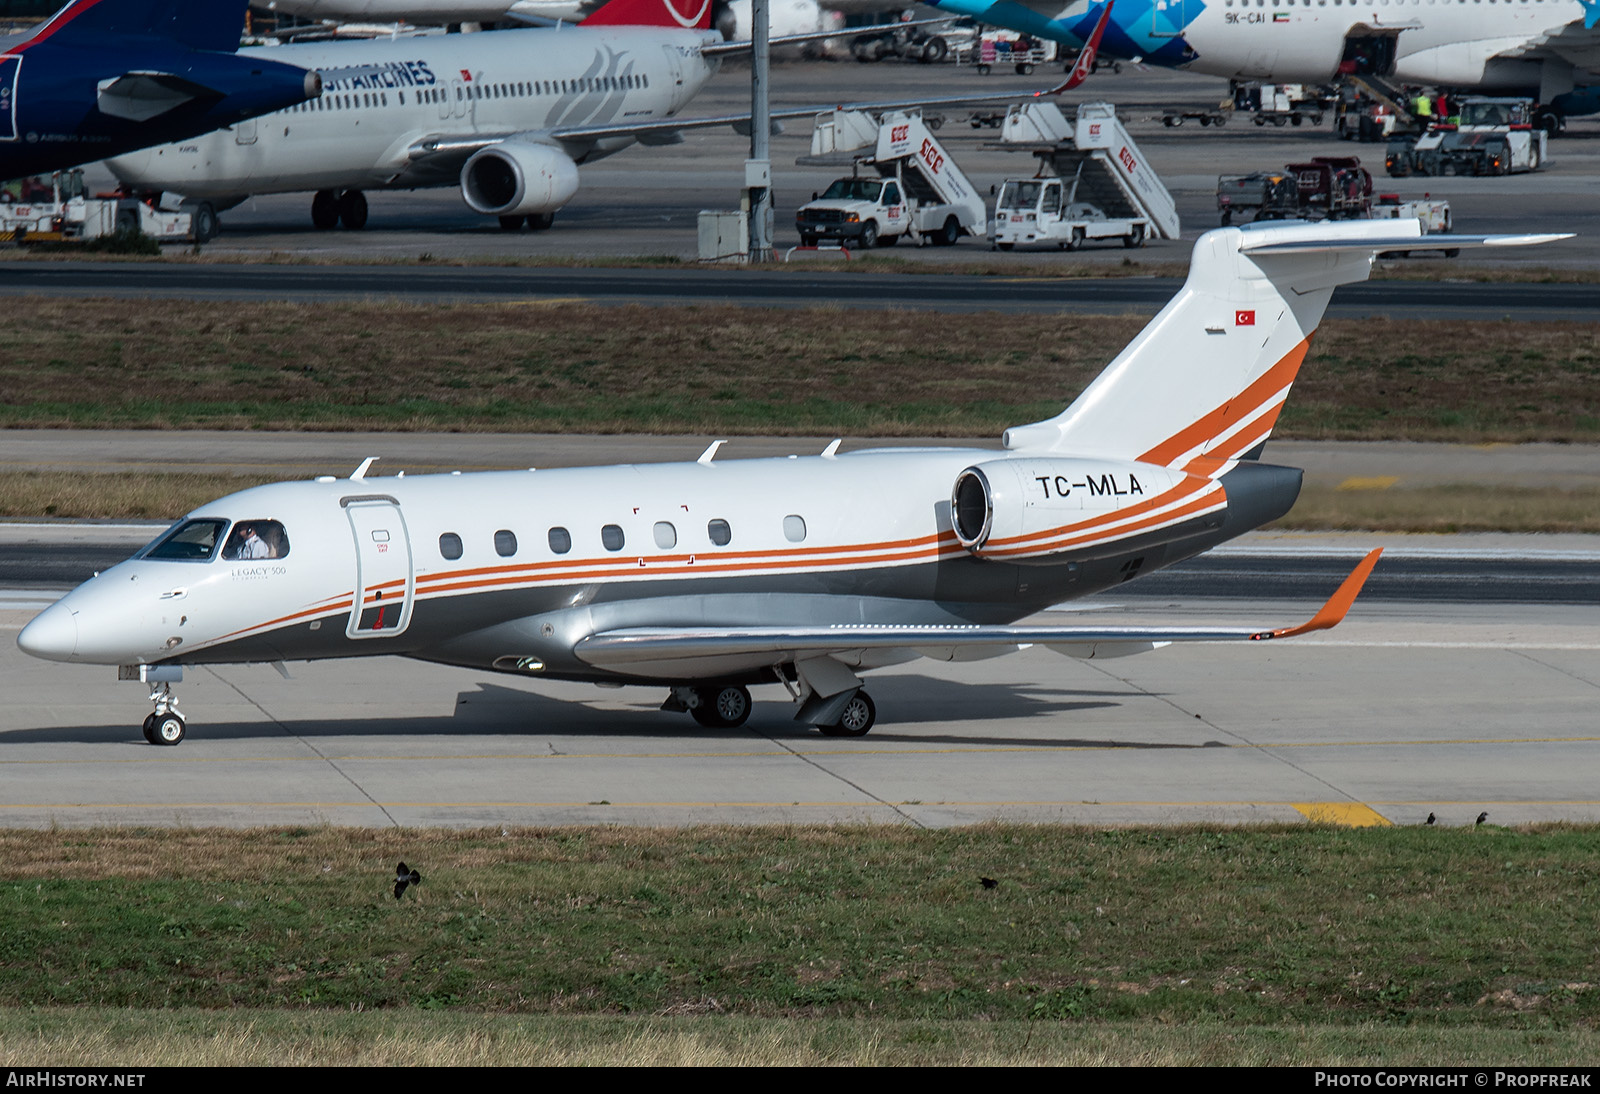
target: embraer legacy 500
710 576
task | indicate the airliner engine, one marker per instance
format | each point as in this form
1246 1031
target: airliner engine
513 178
1039 510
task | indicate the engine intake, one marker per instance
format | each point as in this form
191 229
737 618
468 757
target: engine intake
1026 510
513 178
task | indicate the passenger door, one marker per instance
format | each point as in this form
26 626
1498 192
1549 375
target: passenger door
385 583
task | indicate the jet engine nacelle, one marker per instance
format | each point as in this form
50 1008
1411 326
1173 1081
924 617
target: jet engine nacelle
513 178
1024 510
1470 64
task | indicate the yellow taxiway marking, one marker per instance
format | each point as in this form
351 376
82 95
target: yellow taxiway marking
1371 482
802 752
1349 814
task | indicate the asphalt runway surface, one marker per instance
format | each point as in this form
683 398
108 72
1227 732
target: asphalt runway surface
949 293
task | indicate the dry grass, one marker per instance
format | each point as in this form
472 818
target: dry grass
387 365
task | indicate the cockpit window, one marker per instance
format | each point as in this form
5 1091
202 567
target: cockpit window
256 539
188 541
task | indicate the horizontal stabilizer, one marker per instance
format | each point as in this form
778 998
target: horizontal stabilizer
140 96
1399 243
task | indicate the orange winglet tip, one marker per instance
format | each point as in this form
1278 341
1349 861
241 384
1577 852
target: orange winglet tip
1333 612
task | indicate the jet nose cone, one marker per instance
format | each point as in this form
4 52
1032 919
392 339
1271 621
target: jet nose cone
53 634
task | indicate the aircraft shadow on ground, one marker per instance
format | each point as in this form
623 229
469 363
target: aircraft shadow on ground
905 704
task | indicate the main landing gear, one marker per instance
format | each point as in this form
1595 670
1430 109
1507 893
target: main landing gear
727 706
330 209
165 725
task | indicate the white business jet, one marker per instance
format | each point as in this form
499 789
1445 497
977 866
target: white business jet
711 576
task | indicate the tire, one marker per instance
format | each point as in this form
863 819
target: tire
723 707
936 50
859 716
325 210
512 224
1533 157
353 210
1024 70
167 729
1294 119
204 222
949 233
888 241
1205 120
1259 120
869 235
540 222
1278 121
149 728
1134 238
1076 243
1227 217
935 123
1005 246
1169 122
1219 121
1316 119
807 240
1452 252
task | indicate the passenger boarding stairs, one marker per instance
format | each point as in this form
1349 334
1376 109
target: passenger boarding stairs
1105 165
898 145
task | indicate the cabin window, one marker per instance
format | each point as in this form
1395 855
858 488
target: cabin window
720 533
611 537
560 540
666 535
794 528
256 539
187 541
450 546
505 543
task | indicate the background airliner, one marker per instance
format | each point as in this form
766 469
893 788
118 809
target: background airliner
711 576
101 77
1545 48
509 115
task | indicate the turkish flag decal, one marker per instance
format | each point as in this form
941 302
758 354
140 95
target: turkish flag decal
1244 318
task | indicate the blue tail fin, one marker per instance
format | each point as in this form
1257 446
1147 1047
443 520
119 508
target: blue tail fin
197 24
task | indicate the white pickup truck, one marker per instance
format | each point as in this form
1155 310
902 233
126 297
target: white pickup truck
1039 211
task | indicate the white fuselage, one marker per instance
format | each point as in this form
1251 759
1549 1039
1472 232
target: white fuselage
364 132
1448 42
474 569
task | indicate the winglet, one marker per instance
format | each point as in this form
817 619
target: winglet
1084 65
1333 612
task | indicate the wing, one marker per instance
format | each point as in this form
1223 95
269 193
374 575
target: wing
140 96
1577 43
664 650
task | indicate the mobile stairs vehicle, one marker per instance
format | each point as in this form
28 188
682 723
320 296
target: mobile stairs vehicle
1092 183
915 189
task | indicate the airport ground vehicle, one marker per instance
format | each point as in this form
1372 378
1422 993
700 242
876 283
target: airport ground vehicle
1281 104
1093 181
1432 213
1041 211
36 210
1001 49
925 44
1325 188
916 189
1485 137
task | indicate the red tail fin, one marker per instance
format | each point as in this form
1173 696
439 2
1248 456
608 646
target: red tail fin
688 14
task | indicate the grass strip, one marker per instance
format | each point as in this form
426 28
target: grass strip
1441 508
1284 927
731 371
185 1037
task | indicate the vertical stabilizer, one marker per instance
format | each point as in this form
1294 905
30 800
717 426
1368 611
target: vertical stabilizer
197 24
686 14
1203 383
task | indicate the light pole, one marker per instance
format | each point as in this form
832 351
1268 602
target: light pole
758 168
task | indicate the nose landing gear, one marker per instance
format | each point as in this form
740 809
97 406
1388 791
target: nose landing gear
165 726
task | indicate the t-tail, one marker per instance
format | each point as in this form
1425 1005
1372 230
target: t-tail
1202 385
195 24
685 14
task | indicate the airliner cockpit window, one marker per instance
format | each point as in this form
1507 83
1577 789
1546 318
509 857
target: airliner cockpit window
188 541
253 539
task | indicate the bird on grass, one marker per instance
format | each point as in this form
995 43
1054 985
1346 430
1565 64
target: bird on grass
989 882
404 877
1483 816
1431 819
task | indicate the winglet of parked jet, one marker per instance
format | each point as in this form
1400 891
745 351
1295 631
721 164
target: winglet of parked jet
1084 65
1333 612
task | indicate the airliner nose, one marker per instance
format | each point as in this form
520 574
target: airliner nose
53 634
